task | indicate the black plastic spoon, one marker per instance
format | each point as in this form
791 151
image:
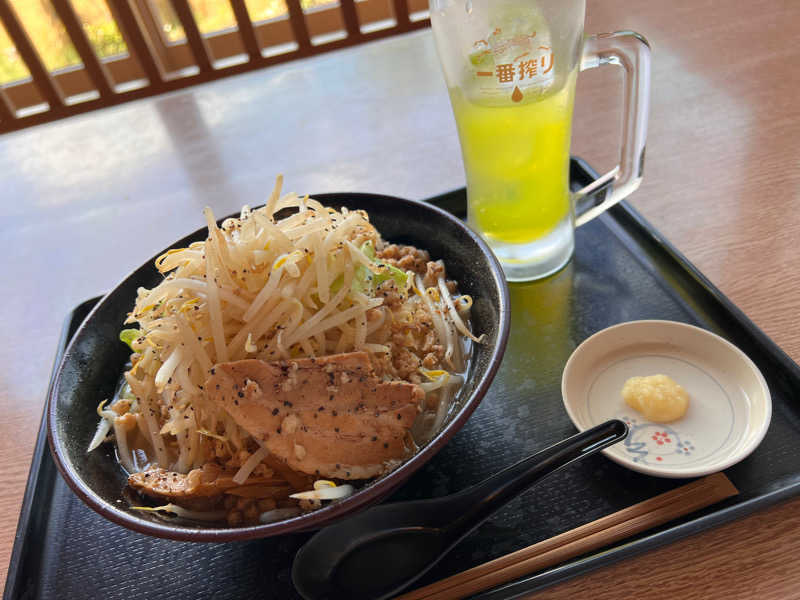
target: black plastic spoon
386 548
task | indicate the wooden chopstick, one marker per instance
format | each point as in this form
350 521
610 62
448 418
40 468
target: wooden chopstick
586 538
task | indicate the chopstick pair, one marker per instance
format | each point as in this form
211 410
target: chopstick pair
586 538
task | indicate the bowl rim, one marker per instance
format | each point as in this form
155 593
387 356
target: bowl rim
374 493
740 451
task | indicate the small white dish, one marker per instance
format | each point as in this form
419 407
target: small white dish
729 402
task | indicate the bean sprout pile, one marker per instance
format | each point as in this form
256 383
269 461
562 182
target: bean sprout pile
290 279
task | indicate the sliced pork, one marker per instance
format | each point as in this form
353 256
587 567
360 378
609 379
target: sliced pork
209 481
329 416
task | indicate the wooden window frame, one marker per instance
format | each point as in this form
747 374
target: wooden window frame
172 65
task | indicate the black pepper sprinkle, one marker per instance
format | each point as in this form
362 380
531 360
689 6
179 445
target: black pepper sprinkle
236 402
275 411
399 417
385 445
335 414
321 408
374 438
240 394
336 429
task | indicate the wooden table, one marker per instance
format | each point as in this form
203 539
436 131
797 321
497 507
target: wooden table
84 199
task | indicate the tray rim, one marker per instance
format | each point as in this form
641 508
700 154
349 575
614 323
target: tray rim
21 542
615 219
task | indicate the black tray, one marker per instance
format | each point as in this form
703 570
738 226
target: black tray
622 270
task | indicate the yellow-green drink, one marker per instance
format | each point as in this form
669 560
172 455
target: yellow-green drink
516 159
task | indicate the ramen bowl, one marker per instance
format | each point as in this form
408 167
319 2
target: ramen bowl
95 360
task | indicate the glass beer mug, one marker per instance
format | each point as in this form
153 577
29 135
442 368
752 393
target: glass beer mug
510 68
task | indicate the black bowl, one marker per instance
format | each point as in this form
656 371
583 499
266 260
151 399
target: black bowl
95 359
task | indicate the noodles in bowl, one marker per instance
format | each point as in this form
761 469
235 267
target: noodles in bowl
289 356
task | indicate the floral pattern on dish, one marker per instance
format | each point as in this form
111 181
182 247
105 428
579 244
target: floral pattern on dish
655 443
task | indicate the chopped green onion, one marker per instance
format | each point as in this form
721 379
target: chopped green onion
129 336
369 250
386 271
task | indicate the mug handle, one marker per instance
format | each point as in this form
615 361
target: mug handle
631 51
